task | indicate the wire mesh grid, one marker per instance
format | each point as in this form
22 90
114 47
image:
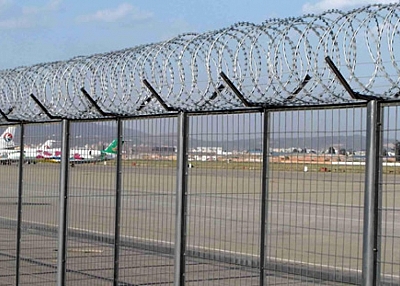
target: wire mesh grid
8 214
91 204
314 205
148 201
39 213
315 195
389 204
224 190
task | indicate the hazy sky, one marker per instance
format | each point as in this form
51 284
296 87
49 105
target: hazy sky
49 30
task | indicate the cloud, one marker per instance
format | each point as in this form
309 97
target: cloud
324 5
123 11
16 17
15 23
4 3
53 5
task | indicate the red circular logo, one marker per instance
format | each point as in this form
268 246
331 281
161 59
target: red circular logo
8 137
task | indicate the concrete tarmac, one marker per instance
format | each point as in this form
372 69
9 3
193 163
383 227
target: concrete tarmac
314 219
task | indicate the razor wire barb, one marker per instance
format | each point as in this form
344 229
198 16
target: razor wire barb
280 62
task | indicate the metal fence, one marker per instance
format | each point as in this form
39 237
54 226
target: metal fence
302 196
257 154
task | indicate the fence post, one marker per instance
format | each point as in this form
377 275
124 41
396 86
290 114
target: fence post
117 203
63 206
19 212
264 192
181 200
371 196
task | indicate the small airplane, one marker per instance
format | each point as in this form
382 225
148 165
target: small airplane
31 155
88 155
46 152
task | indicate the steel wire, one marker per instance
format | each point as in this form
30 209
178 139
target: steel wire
267 62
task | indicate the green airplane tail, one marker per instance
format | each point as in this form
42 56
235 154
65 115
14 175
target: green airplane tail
112 148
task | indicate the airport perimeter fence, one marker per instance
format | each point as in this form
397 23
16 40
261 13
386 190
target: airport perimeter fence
272 197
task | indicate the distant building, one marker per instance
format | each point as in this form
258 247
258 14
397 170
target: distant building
256 152
163 149
211 150
359 153
203 158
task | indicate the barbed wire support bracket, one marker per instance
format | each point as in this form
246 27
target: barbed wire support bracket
43 108
353 94
214 95
306 80
236 91
95 105
5 116
156 96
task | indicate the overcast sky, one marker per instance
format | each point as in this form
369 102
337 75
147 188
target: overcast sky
49 30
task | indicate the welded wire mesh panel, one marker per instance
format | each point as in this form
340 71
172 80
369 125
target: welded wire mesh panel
40 206
224 191
389 227
315 196
8 206
91 203
148 201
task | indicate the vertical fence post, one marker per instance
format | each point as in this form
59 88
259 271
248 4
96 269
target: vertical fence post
264 192
19 212
117 203
63 206
371 196
378 202
379 198
181 200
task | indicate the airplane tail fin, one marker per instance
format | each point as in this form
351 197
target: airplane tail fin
47 145
112 148
7 138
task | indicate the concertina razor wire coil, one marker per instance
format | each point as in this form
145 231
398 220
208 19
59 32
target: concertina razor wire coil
280 62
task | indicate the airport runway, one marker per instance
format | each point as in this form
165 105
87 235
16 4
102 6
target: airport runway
313 219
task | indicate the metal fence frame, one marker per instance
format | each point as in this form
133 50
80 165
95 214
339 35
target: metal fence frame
275 67
372 205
